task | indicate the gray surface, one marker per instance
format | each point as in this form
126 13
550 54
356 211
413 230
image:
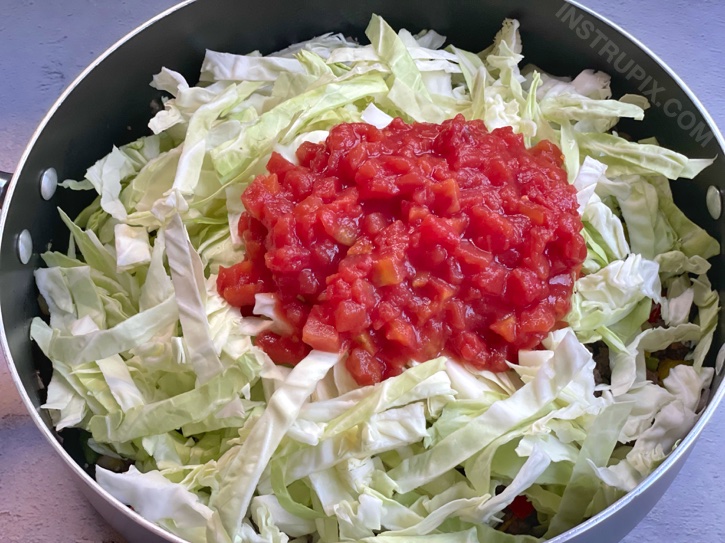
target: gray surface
44 45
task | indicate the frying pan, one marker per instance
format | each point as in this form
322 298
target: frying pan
75 134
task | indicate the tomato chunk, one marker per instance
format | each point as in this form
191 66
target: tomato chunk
365 369
282 349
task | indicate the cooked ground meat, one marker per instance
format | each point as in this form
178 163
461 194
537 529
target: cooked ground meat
666 359
113 464
676 351
602 371
654 377
517 526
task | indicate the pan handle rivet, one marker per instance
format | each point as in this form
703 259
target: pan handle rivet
48 183
713 199
25 246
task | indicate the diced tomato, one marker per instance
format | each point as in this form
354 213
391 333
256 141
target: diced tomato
320 335
374 223
363 367
388 271
474 257
506 328
533 211
523 287
521 507
447 194
240 295
278 164
287 350
456 314
397 164
471 347
409 242
410 182
308 151
537 320
351 317
495 233
238 284
435 230
295 312
401 332
492 279
363 292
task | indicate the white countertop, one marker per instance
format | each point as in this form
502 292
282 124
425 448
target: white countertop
44 45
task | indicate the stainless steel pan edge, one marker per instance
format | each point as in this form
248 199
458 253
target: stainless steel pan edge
611 524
